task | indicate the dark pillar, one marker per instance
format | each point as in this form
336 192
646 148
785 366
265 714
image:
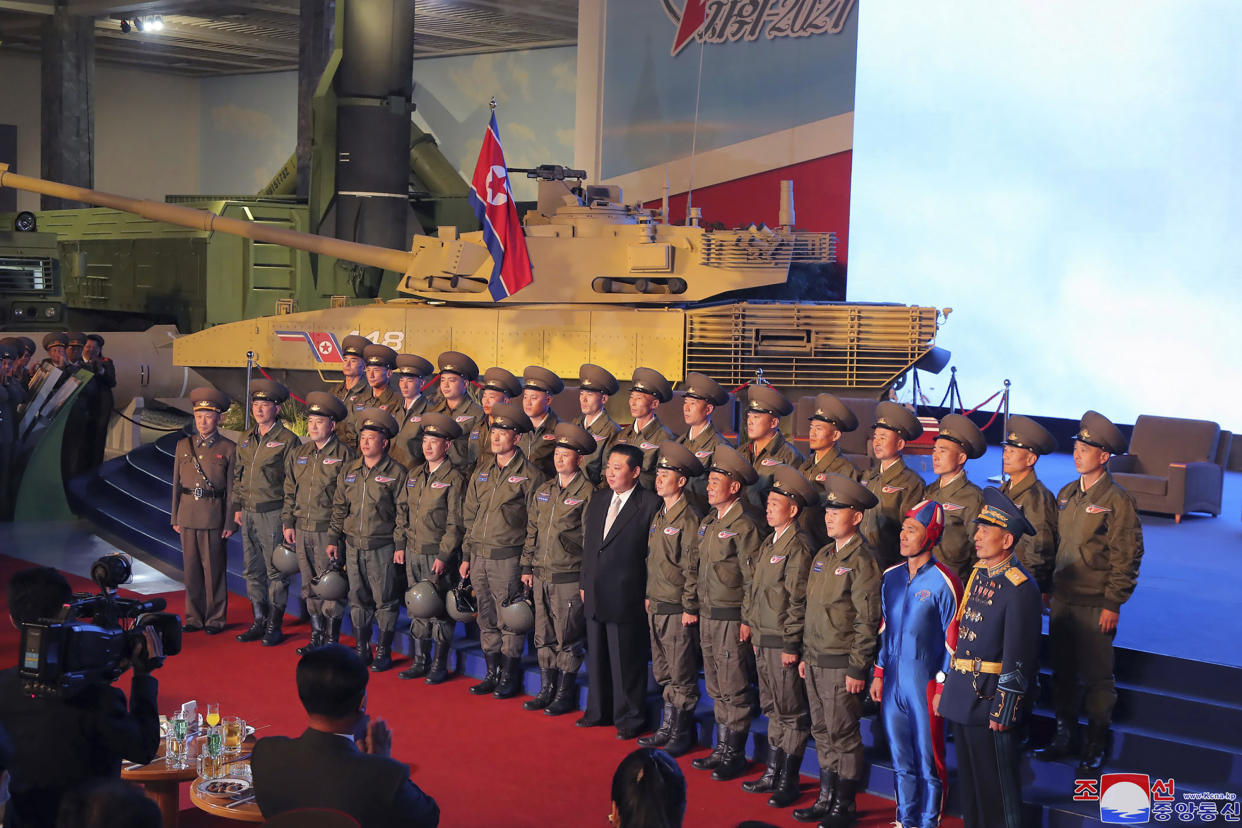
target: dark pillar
67 146
315 24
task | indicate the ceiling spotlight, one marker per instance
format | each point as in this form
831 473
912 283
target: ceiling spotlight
125 27
155 24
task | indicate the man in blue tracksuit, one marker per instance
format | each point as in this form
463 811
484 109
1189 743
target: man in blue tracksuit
918 634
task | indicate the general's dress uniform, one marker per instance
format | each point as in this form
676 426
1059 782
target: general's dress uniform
918 635
820 464
352 394
495 517
1097 568
538 444
765 399
201 493
672 553
649 437
1038 552
553 556
480 438
407 447
960 498
839 642
370 516
993 668
468 413
311 476
603 428
259 494
728 546
775 611
897 487
434 499
702 445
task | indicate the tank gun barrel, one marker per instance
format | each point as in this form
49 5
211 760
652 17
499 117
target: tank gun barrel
206 221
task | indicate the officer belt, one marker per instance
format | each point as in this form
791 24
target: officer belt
665 608
203 493
264 507
975 665
723 613
557 577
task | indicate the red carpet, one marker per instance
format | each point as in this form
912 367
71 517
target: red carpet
487 762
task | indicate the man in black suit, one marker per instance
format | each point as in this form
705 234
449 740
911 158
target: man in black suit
342 760
614 587
63 743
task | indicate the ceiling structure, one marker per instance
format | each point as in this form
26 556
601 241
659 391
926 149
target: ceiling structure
227 37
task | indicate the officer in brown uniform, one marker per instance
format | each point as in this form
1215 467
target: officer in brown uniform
701 396
672 600
495 517
258 496
369 516
1025 442
959 440
381 361
434 495
829 420
766 446
1097 568
457 371
595 386
648 388
352 389
552 567
776 612
201 492
541 385
312 472
411 372
897 486
498 387
729 541
838 646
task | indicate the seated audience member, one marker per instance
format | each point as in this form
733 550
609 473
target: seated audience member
342 760
109 803
648 791
60 744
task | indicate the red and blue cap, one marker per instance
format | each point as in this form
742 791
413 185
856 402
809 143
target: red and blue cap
931 515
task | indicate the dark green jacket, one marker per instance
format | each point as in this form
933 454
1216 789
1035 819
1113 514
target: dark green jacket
311 475
1101 545
776 610
778 450
407 447
553 549
843 608
648 440
1038 554
497 504
538 445
604 430
727 550
703 446
899 489
259 472
434 505
962 501
369 510
672 552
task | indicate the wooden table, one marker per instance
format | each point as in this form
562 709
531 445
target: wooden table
163 784
218 806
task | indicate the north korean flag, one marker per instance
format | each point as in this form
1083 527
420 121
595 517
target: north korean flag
492 200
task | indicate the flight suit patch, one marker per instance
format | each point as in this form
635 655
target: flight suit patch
726 535
440 484
952 507
768 461
841 570
573 501
543 497
517 479
776 559
465 419
302 461
331 461
1097 510
350 478
275 444
818 566
893 489
671 530
702 454
379 478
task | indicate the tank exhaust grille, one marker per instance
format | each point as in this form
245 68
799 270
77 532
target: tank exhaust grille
760 247
20 275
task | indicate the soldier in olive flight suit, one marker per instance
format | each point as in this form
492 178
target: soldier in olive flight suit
312 471
672 600
729 541
552 568
380 360
776 613
701 397
258 497
434 492
766 446
457 371
1097 568
959 440
407 447
648 388
495 517
369 516
498 387
201 493
897 487
352 389
595 386
829 420
540 386
1025 442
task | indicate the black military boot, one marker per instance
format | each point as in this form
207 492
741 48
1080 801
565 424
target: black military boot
438 672
488 684
681 740
362 644
1063 741
823 803
510 683
420 650
332 631
787 786
712 760
316 639
1095 751
566 698
771 774
664 732
383 651
259 626
273 635
547 689
733 762
844 811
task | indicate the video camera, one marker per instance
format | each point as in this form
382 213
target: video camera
63 655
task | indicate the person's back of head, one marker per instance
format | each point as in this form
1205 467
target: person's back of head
108 803
332 681
36 593
648 791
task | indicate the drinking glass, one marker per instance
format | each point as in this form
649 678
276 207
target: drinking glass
212 766
213 714
234 734
176 742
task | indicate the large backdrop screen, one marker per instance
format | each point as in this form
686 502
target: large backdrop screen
1068 178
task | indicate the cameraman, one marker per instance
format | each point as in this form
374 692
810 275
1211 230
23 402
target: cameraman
59 744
